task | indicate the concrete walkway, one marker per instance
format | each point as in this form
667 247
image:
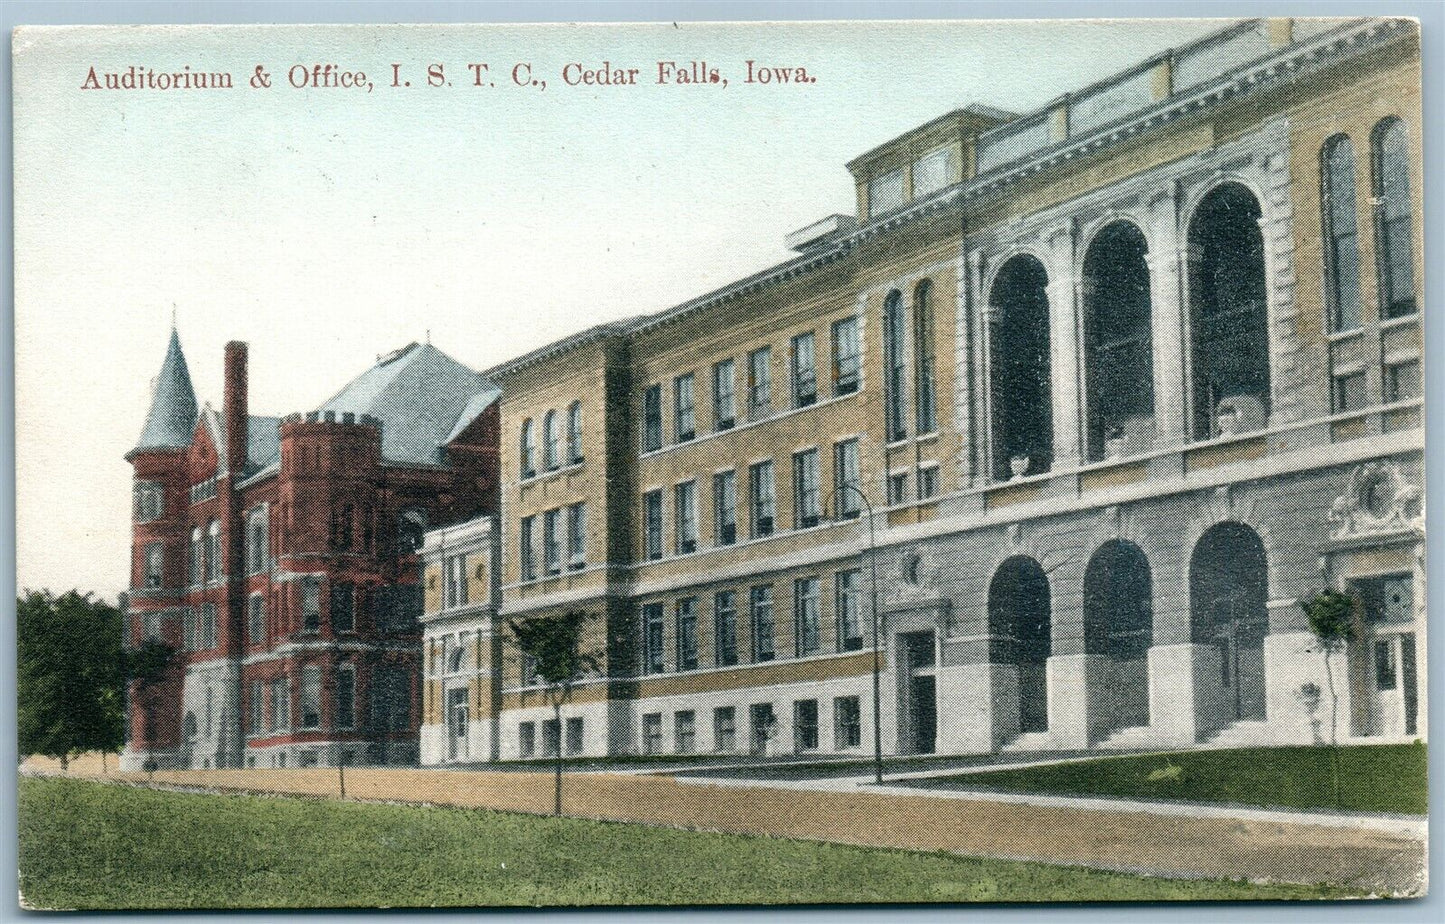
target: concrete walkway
1385 856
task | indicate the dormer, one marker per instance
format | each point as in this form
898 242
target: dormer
922 161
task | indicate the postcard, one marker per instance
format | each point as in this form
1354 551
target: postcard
708 463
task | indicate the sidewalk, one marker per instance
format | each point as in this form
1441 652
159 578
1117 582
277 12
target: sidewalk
1388 858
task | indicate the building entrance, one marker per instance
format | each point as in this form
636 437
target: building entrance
458 719
1383 666
919 662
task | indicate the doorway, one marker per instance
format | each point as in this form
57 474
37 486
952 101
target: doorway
458 720
919 661
1390 680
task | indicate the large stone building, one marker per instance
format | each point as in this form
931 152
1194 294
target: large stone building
278 556
1088 399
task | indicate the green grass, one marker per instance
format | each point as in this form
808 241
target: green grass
1373 778
94 846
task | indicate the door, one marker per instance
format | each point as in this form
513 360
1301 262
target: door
1391 680
919 662
459 715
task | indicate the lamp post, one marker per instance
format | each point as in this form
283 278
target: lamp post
877 637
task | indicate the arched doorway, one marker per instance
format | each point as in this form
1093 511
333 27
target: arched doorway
1019 369
1119 362
1019 621
1119 625
189 735
1228 590
1228 314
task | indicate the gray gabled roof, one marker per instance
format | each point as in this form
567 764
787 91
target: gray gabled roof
171 420
420 395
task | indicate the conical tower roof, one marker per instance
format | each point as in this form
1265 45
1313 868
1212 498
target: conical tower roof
172 416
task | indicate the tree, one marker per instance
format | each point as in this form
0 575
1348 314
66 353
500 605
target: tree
70 675
552 645
146 665
1331 617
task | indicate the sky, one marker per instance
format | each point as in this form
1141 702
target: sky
326 226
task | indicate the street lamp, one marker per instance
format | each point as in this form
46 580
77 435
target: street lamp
877 637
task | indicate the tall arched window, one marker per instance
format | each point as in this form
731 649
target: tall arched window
213 551
197 574
155 560
551 441
1019 370
1119 355
574 433
529 449
1341 238
1394 216
256 544
895 365
925 396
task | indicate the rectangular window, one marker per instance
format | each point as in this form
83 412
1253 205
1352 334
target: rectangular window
684 726
847 722
280 704
850 621
343 613
927 482
652 516
208 626
724 729
725 628
760 383
391 699
898 488
685 510
552 541
652 419
764 726
551 737
311 697
524 549
454 575
805 370
725 508
806 617
343 706
257 708
760 603
724 395
687 634
652 639
805 724
652 733
311 605
574 735
845 479
527 739
847 364
1402 381
188 630
885 192
256 624
684 417
1384 665
807 509
1350 392
764 500
577 536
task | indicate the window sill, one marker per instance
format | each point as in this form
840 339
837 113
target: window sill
763 417
547 474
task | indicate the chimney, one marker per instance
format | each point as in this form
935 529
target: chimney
236 409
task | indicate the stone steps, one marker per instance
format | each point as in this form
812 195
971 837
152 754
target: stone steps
1131 739
1243 733
1031 741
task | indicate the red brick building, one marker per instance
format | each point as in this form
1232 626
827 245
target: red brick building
278 555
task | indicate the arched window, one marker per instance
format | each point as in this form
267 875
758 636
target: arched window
198 541
256 545
551 441
1019 370
574 433
411 528
1341 238
213 551
1229 314
529 449
1394 217
1119 356
925 395
895 365
457 659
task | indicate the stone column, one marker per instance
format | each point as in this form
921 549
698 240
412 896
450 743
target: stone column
965 372
1167 276
988 320
1064 382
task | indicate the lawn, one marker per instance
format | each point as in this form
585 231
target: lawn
1373 778
86 845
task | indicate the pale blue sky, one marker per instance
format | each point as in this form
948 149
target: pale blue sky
326 227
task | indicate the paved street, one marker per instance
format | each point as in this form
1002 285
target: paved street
1364 852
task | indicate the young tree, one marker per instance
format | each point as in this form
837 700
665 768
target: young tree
146 664
1331 617
553 645
70 672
